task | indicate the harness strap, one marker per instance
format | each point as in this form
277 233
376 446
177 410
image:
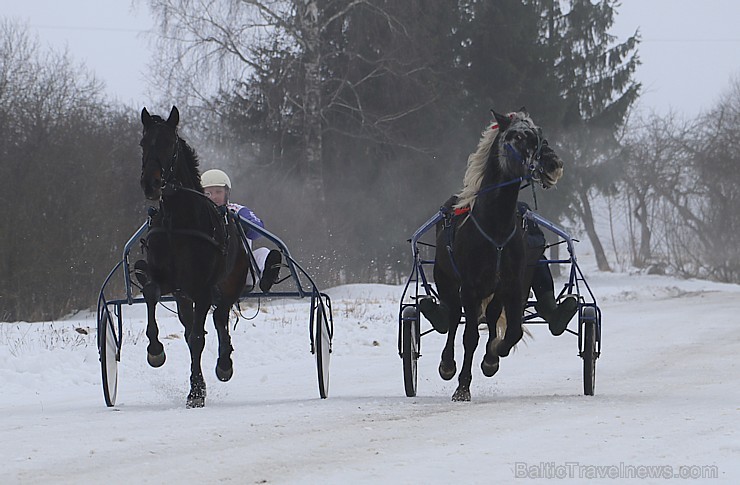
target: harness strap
499 247
184 232
461 210
489 238
449 229
218 218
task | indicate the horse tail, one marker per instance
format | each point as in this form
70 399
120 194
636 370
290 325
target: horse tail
501 325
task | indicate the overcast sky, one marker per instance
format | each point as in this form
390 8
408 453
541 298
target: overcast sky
689 49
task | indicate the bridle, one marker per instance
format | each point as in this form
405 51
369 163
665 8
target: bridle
167 177
532 163
168 172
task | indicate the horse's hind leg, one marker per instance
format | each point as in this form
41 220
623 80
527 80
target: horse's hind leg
155 350
514 308
185 313
224 364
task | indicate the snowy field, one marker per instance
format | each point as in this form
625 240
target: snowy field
666 409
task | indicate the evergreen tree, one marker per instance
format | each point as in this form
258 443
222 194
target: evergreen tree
596 84
388 116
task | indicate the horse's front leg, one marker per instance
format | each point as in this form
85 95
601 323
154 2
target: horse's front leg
155 350
196 338
224 364
470 343
490 362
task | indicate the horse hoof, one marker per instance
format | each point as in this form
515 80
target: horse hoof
195 402
196 397
156 360
447 373
489 368
224 374
462 394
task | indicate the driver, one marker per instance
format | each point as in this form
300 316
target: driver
217 187
557 315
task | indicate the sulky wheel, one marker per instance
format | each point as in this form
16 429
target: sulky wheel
109 356
411 341
588 324
322 348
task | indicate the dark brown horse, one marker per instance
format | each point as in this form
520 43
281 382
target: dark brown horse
480 256
193 251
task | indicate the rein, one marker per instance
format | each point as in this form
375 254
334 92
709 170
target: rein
517 180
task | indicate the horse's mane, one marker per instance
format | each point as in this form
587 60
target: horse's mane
477 167
478 161
192 165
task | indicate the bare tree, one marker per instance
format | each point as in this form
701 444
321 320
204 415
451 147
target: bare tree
63 154
716 156
655 152
683 189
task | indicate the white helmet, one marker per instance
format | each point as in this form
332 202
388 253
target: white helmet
215 178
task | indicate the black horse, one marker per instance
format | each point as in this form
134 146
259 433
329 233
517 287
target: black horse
480 255
193 251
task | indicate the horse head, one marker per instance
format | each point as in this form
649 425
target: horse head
159 146
523 150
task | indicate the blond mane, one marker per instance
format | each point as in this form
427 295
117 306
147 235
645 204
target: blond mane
476 167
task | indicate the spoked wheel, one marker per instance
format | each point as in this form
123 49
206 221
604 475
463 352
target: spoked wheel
108 346
321 334
411 342
588 322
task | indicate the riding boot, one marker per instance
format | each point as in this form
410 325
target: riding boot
437 314
556 315
545 306
272 270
